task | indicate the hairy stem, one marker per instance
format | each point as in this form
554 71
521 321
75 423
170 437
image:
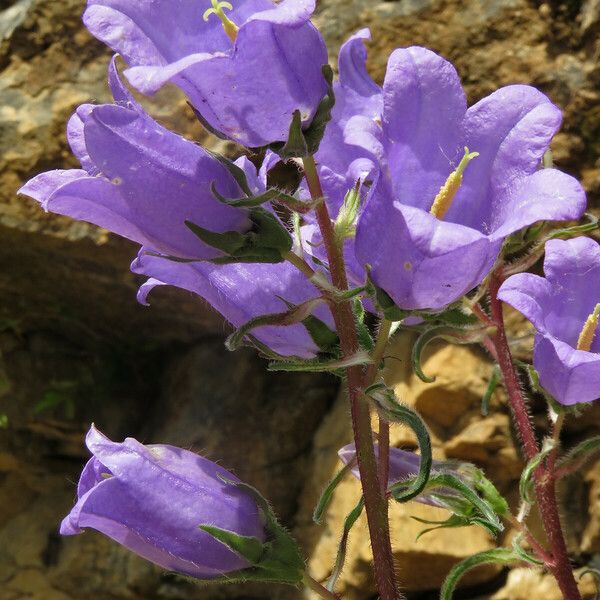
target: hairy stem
544 485
375 501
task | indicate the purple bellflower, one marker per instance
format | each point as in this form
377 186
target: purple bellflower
246 66
139 180
241 292
152 499
437 214
563 307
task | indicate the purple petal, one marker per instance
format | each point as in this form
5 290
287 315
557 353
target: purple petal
547 195
420 261
147 164
573 269
511 129
42 186
76 137
530 294
569 375
291 13
424 107
241 292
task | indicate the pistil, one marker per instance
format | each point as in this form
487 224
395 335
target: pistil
445 196
586 337
231 29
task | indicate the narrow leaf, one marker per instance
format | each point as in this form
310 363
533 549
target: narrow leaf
327 494
340 558
317 366
495 379
526 483
501 556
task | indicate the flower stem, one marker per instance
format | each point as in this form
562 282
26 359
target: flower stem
383 435
375 501
319 589
544 486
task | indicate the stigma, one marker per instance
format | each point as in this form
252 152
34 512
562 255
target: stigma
586 337
231 29
444 198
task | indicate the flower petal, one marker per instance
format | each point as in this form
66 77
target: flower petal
42 186
530 294
424 107
547 195
420 261
569 375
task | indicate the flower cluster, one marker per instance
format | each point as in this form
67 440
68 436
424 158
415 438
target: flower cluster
415 197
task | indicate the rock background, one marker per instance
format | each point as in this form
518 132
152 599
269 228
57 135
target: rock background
75 346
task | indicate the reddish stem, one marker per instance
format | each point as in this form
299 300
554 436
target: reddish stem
544 485
375 501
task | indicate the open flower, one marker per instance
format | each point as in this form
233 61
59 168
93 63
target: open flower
245 68
436 216
139 180
563 307
152 499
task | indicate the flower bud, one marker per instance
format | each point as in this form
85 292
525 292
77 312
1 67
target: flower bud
152 500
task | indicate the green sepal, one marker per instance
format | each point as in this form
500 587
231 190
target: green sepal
364 335
296 314
340 558
394 412
526 484
251 548
575 230
206 124
501 556
457 336
385 304
236 172
271 195
325 338
304 142
327 493
265 241
277 560
322 366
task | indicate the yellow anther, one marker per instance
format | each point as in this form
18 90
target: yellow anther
586 337
445 196
231 29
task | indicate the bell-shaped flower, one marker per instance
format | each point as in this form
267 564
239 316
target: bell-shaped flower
563 307
246 66
139 180
435 218
152 500
242 292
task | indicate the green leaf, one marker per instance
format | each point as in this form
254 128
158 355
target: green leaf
340 558
495 379
457 336
395 412
522 553
248 547
526 485
500 556
320 366
575 230
296 314
327 494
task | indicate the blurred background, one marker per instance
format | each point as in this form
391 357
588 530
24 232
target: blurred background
75 346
